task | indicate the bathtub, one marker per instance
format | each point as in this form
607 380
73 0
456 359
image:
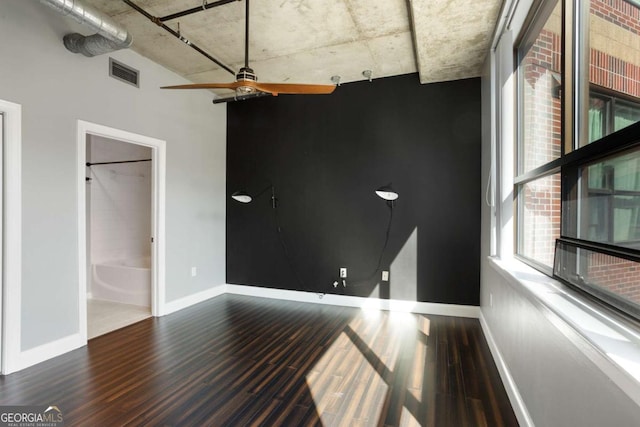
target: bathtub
126 281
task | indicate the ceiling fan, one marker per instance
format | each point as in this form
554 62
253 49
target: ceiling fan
247 85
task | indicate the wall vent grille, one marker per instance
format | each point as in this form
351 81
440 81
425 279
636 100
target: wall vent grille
124 73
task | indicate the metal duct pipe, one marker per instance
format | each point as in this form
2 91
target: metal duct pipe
110 36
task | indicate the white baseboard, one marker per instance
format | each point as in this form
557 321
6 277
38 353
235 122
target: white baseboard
519 408
360 302
49 350
189 300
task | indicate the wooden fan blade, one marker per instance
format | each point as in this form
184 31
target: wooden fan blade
272 88
293 88
232 86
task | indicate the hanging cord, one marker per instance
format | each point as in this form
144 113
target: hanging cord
486 193
283 243
386 242
365 282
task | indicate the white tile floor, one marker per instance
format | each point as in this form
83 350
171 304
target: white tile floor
107 316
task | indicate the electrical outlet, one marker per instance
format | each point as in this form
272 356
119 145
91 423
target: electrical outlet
343 272
194 271
385 276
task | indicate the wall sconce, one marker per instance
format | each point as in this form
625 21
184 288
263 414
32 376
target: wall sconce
387 193
244 197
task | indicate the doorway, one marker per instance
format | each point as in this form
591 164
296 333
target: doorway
118 197
121 228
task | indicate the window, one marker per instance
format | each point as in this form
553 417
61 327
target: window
608 276
610 200
539 213
578 181
540 136
540 83
608 114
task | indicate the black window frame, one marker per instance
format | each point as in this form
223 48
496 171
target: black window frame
615 143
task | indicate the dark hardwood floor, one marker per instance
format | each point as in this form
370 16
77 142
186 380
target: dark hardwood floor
236 361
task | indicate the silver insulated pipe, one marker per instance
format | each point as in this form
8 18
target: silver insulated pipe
110 36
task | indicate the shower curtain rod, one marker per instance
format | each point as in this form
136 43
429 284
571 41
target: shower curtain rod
121 161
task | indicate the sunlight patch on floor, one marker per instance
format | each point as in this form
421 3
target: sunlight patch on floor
408 420
339 383
350 383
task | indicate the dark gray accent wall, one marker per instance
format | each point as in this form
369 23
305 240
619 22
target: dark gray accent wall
325 155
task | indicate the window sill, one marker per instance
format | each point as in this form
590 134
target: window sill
611 342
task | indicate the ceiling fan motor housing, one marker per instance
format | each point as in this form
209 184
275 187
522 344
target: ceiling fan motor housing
245 74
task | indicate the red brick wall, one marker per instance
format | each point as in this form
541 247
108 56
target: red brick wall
616 275
615 74
606 70
542 223
543 136
618 12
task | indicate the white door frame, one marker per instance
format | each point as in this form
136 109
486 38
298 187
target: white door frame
158 172
11 242
1 235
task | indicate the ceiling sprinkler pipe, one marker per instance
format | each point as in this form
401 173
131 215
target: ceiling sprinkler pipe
110 35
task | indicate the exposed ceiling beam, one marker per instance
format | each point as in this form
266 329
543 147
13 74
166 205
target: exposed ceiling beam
197 9
176 34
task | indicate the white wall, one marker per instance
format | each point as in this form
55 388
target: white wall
550 366
119 198
55 89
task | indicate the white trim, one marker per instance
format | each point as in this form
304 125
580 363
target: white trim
360 302
505 154
81 137
329 299
158 214
159 170
12 262
193 299
1 239
517 403
50 350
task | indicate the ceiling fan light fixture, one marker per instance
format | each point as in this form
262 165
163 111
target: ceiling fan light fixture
245 90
